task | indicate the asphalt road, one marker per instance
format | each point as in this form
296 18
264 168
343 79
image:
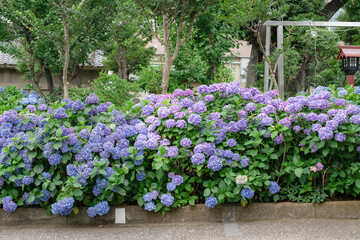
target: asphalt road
272 229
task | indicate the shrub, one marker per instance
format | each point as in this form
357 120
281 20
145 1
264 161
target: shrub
9 98
224 144
111 88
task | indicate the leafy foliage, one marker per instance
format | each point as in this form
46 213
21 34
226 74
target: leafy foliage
225 144
111 88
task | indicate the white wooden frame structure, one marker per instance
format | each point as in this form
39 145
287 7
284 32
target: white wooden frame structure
280 40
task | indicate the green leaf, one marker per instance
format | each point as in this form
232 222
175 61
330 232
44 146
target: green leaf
57 145
162 150
38 168
81 119
59 132
357 183
77 193
207 192
298 172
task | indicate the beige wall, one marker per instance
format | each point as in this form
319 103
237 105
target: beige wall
10 77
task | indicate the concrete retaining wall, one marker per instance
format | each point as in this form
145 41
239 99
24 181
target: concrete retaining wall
226 212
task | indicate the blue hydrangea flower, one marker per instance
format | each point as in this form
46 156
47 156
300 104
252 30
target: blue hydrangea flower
9 206
150 206
274 187
185 142
170 187
211 202
247 193
91 212
102 208
147 197
167 199
63 207
27 180
140 176
46 196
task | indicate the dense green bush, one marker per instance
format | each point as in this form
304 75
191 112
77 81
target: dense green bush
111 88
225 144
9 98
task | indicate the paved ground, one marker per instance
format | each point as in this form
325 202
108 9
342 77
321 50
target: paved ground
279 229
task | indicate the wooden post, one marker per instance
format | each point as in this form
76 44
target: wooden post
267 52
280 78
350 80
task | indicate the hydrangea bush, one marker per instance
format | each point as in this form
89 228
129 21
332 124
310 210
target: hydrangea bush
222 144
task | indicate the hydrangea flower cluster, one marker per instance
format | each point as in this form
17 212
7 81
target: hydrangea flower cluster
187 136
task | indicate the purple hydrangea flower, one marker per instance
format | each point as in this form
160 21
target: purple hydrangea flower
325 133
319 166
279 139
250 107
148 109
297 128
170 123
340 137
352 109
209 98
214 163
185 142
316 127
194 119
154 194
181 124
355 119
177 180
172 151
92 99
42 107
163 112
198 158
244 162
231 142
78 105
332 124
199 107
60 113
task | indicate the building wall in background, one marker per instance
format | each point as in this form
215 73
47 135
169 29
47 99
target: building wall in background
11 77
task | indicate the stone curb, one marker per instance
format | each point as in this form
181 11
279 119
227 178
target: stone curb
226 212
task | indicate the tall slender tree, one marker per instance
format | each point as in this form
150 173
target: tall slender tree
165 16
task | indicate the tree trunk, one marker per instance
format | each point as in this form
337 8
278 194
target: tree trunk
212 63
119 57
251 75
165 77
49 79
67 57
32 77
124 63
